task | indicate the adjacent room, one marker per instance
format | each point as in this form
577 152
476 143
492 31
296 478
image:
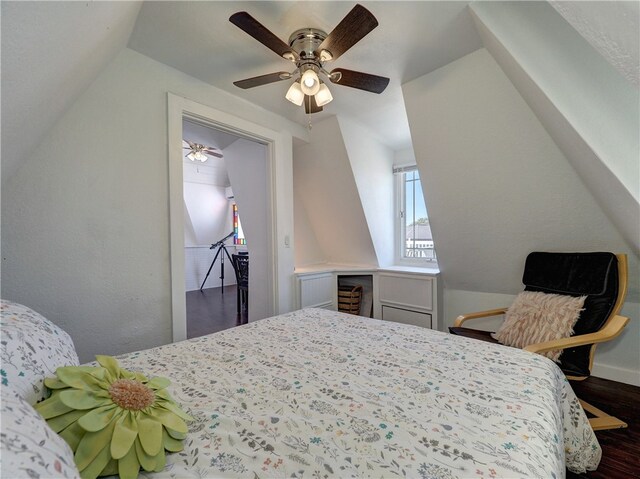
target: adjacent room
320 239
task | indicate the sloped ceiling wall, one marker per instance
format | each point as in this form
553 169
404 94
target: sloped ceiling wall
45 77
307 250
372 164
612 28
588 108
327 189
496 184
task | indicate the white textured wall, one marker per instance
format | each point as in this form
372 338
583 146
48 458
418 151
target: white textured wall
208 217
612 28
498 187
85 221
372 165
45 78
307 249
209 214
587 107
403 157
324 178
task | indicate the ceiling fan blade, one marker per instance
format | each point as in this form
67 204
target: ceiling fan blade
262 80
310 105
355 26
359 80
253 27
212 153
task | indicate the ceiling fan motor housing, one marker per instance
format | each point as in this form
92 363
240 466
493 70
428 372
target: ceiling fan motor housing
305 43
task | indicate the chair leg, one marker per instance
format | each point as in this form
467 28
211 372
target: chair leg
602 420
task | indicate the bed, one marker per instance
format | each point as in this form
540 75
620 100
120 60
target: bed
316 393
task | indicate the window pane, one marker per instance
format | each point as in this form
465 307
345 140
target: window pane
418 238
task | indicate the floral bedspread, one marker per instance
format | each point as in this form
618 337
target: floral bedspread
318 394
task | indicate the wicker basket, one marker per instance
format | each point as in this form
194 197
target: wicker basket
349 299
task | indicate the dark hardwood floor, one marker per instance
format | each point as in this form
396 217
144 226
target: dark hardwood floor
620 447
210 311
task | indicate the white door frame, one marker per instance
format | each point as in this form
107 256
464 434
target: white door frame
179 108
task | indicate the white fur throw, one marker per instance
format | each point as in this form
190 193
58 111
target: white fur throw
539 317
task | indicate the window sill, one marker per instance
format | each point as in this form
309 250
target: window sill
406 268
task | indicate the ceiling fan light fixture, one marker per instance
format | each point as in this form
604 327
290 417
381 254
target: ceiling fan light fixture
323 96
196 153
309 82
295 94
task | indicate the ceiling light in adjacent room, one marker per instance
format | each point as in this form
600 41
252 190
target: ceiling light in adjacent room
197 155
198 152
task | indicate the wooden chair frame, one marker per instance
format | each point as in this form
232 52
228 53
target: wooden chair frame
610 330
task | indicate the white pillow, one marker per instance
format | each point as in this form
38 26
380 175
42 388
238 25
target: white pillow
536 317
30 448
32 348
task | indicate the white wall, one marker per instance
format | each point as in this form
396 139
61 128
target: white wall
498 187
208 218
45 78
246 163
372 165
307 249
85 233
209 214
323 175
587 107
404 157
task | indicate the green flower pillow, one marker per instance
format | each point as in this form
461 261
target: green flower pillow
116 421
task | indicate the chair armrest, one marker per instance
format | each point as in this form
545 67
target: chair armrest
480 314
610 331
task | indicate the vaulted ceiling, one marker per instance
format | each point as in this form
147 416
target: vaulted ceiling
52 51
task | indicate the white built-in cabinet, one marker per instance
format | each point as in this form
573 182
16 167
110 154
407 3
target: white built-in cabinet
315 290
409 295
408 298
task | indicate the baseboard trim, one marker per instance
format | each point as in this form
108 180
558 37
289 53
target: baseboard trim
622 375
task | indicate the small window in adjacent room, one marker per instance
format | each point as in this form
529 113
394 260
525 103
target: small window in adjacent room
413 229
238 234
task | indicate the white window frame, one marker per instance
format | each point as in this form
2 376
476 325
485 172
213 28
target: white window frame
400 220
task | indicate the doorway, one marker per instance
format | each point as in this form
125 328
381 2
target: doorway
213 233
271 258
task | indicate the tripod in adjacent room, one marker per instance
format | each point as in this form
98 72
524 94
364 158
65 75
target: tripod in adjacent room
221 247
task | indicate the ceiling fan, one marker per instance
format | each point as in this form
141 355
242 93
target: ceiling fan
309 49
199 152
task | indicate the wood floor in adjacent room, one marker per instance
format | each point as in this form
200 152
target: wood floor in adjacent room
620 447
210 311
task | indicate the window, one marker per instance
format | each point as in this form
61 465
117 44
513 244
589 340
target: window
238 234
414 231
